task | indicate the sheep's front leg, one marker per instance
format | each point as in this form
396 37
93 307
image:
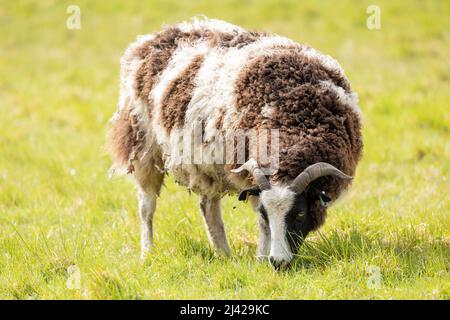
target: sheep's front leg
264 232
264 239
212 214
147 206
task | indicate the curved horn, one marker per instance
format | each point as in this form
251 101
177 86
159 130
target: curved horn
258 175
313 172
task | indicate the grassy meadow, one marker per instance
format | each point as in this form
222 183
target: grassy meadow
67 231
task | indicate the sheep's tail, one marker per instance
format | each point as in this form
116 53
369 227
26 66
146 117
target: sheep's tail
124 140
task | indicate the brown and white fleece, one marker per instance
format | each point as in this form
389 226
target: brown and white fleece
230 79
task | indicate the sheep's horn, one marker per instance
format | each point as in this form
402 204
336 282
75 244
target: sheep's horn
258 175
313 172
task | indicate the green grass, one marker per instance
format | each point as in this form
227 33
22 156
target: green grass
58 209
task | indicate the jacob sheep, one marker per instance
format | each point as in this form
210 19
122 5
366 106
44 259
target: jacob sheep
220 79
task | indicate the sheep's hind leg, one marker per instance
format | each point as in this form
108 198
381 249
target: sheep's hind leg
149 182
212 214
147 206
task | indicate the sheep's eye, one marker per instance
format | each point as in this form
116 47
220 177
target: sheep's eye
300 214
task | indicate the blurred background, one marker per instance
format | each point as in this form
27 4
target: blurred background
58 210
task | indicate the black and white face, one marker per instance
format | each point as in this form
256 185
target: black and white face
287 215
286 209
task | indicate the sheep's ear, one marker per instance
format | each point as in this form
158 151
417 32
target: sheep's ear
244 194
321 196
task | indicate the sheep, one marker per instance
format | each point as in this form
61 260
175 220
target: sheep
217 78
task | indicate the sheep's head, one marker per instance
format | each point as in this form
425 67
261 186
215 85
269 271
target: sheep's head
286 208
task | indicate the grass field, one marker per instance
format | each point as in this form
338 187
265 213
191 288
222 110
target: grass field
62 219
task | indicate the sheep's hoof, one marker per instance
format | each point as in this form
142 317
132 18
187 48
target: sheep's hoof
144 254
